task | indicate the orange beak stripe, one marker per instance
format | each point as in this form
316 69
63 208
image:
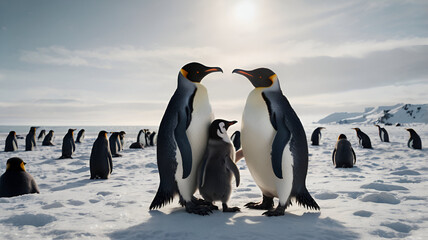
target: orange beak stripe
242 72
211 70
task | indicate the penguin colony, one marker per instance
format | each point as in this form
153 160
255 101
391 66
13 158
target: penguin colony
195 153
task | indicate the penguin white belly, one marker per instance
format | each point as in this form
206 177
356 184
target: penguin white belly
257 135
197 133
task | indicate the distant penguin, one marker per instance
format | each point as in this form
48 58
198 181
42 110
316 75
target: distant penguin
147 137
100 162
68 145
152 138
218 166
274 144
236 140
414 140
30 139
383 134
343 155
80 136
11 143
41 135
16 181
316 136
48 141
182 138
115 144
363 139
138 143
122 140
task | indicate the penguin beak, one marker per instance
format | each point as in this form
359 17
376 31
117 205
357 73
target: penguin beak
231 123
243 73
213 69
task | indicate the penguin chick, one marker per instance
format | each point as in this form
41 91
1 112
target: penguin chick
100 162
16 181
343 155
218 166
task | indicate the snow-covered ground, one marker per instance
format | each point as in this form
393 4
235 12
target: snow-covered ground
384 196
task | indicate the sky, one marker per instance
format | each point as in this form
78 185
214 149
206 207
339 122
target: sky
89 62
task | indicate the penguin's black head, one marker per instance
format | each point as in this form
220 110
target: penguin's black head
33 129
411 131
342 136
15 164
51 131
195 72
356 129
320 128
219 127
122 133
260 77
13 133
102 134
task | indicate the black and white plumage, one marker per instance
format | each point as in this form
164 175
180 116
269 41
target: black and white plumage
48 140
115 144
68 145
274 144
383 134
30 139
80 136
41 134
343 154
218 166
138 143
316 136
415 141
16 181
236 140
11 143
100 162
182 138
363 139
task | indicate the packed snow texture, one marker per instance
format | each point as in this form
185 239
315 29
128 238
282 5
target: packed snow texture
384 196
399 113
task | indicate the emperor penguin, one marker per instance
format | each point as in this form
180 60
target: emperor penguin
363 139
16 181
115 144
121 140
80 136
414 140
100 162
68 145
343 154
138 143
236 140
48 140
316 136
41 134
218 166
274 144
30 139
182 138
11 143
152 138
383 134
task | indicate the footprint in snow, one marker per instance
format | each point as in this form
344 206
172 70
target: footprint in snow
37 220
381 198
75 202
405 172
398 226
53 205
363 213
326 196
383 187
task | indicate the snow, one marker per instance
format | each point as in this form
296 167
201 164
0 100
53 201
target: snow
399 113
383 196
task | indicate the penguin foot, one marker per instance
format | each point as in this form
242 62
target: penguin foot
197 209
232 209
279 211
266 204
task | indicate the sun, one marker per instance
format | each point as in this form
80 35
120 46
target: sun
245 11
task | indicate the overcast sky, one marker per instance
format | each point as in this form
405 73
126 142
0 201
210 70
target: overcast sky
116 62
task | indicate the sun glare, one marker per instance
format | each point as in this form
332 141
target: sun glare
245 10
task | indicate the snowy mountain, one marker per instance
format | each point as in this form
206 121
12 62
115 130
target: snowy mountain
399 113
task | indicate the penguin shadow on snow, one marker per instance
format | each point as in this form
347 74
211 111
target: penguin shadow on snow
180 224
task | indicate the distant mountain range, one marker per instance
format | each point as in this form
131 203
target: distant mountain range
399 113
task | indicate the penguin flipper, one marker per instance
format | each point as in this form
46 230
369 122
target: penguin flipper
183 142
332 156
233 168
282 138
353 154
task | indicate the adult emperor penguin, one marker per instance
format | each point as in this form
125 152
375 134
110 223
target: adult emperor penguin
122 140
414 140
182 138
80 136
274 144
16 181
68 145
41 134
48 140
11 143
363 139
218 165
152 138
343 155
138 143
383 134
236 140
316 136
115 144
30 139
100 162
